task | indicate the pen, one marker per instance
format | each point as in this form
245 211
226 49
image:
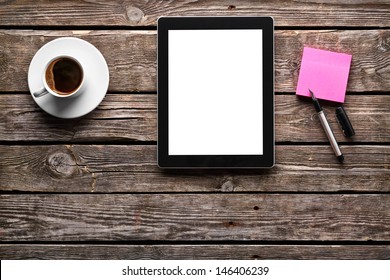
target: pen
327 128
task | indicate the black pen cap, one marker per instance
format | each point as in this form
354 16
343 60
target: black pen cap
344 122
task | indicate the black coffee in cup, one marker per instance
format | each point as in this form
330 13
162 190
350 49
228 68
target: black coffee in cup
64 75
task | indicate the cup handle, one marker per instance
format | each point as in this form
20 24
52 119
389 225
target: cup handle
40 92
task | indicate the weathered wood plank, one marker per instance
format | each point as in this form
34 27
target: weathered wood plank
194 252
119 117
132 62
91 168
123 117
141 13
119 217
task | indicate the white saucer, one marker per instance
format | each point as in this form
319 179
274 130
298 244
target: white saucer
95 74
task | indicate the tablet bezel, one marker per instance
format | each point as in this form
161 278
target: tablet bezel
216 161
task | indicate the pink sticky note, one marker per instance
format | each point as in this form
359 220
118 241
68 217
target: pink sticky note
325 73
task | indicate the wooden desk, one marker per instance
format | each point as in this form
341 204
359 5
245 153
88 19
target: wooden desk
90 187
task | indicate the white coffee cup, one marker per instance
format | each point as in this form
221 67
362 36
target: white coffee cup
63 77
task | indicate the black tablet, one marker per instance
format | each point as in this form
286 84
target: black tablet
215 92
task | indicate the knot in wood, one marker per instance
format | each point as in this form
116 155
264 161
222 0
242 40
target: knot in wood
134 14
314 117
62 164
228 186
384 44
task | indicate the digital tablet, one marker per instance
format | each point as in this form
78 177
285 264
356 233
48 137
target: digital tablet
215 92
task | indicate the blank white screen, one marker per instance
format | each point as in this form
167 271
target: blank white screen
215 92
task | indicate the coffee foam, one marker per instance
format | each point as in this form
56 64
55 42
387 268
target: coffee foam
49 75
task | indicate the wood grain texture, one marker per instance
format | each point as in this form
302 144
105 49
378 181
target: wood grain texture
133 117
143 13
119 117
131 56
121 217
101 196
195 252
105 168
